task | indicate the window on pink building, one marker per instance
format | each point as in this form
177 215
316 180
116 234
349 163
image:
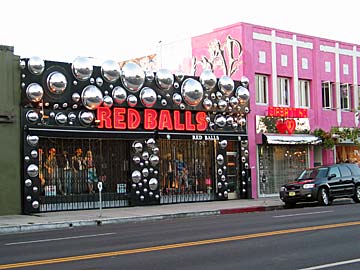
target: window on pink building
304 93
283 91
345 96
327 95
261 88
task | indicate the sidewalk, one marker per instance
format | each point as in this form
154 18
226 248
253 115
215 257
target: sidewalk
66 219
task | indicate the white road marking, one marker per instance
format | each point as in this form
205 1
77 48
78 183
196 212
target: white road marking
304 214
57 239
331 265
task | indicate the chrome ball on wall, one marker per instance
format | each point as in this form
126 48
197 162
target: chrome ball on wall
136 176
177 99
223 144
242 94
60 118
119 95
153 184
28 182
92 97
220 120
75 97
148 97
110 71
132 77
137 146
34 92
36 65
207 104
132 100
164 79
244 81
56 82
108 101
32 140
32 116
86 118
226 85
32 170
154 160
82 68
208 79
151 143
192 92
220 159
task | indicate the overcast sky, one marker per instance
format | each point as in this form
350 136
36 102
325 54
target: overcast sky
123 29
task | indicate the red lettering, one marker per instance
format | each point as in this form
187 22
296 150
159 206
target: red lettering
177 121
119 118
201 121
188 121
104 115
133 118
150 119
165 120
271 111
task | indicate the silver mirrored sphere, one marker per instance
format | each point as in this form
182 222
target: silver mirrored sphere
222 104
99 81
132 77
108 101
154 160
34 92
32 116
151 143
60 118
110 70
220 159
35 204
56 82
136 159
28 198
145 172
153 184
72 116
82 68
32 170
75 97
34 153
132 100
177 99
207 104
145 155
156 150
223 144
35 189
36 65
86 118
179 75
242 94
234 101
119 95
136 176
226 85
27 158
28 182
164 79
137 147
192 92
150 76
92 97
220 120
32 140
148 97
208 79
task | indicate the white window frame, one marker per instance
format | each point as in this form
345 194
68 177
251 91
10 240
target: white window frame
345 96
304 93
262 89
283 91
326 91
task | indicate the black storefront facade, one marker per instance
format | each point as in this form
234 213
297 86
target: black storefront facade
149 138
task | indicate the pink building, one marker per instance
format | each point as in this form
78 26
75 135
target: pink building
298 84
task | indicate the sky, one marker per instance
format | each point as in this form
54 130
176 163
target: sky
123 29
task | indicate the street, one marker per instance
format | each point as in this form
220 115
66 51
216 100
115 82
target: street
302 238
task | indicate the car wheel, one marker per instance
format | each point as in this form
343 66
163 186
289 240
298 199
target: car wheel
356 197
323 197
289 205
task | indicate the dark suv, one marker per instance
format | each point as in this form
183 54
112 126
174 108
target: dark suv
323 184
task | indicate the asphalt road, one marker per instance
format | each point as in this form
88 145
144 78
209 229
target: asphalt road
300 238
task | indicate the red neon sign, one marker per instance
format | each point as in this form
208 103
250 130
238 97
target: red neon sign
129 118
287 112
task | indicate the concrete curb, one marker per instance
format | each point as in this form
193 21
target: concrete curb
104 220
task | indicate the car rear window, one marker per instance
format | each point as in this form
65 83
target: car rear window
355 170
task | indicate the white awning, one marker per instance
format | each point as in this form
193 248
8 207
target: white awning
290 139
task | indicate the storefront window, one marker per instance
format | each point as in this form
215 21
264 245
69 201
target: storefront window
347 153
279 164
